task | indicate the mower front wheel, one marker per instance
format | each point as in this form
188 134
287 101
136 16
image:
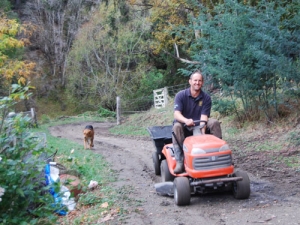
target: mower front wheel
182 191
241 189
165 172
156 163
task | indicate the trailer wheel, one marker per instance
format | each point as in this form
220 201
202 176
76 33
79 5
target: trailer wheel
156 163
241 189
182 192
165 172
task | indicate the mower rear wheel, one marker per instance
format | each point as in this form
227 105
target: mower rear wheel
165 172
182 191
241 189
156 163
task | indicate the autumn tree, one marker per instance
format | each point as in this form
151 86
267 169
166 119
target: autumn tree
57 23
13 69
166 16
109 57
170 49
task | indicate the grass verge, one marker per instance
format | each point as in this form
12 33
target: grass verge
91 204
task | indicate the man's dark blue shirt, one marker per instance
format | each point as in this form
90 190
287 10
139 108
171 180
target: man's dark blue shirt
190 107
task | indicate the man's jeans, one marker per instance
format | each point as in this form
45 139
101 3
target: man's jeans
181 133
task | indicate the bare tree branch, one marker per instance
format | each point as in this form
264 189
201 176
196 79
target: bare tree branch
178 57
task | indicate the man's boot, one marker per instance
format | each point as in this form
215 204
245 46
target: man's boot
179 168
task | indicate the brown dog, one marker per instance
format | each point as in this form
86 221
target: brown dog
88 133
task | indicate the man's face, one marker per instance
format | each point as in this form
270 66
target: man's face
196 81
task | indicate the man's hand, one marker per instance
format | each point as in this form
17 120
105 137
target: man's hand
189 122
180 118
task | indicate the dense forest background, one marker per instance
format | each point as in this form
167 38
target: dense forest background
85 53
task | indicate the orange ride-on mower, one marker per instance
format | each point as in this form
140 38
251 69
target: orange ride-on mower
207 162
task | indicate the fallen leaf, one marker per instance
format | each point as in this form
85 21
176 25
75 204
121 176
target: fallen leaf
104 205
107 218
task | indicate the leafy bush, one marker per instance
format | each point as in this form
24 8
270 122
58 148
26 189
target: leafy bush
223 106
25 198
105 112
142 98
149 82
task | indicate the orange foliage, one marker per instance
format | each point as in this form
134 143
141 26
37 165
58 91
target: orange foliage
11 68
167 15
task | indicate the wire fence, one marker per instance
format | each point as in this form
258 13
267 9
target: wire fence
172 90
30 114
144 103
136 105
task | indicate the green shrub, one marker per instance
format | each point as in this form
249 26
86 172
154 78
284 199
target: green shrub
24 197
105 112
223 106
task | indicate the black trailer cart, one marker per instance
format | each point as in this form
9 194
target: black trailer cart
161 135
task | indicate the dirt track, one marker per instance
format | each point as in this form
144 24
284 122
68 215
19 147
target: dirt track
274 199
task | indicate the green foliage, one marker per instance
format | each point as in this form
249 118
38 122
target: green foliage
22 160
250 51
151 81
143 96
105 112
224 106
111 62
5 5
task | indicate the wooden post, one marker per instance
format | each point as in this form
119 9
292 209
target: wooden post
118 111
165 96
33 116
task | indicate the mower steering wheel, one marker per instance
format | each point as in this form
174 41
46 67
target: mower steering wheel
200 121
191 128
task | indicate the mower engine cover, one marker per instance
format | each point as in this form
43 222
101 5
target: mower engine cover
207 156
